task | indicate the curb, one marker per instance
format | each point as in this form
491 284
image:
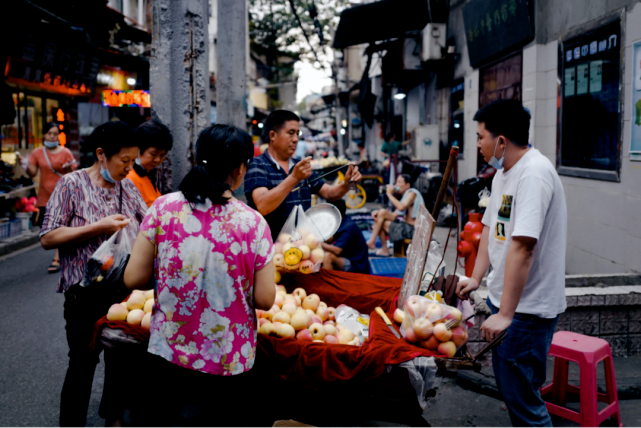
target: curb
10 245
628 387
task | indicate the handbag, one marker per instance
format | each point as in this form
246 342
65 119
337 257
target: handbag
51 166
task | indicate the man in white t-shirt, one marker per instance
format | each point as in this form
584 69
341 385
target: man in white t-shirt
524 240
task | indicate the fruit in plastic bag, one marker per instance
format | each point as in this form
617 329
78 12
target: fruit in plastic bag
317 255
399 315
293 256
279 261
447 333
311 241
306 267
277 277
107 263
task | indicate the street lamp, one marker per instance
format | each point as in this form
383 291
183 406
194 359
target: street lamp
400 95
131 81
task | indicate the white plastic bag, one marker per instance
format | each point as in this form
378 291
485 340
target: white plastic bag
298 246
434 326
434 257
108 263
353 320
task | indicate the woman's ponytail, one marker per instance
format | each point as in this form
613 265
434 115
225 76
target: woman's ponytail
219 150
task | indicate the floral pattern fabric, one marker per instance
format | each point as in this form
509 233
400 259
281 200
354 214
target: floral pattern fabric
206 255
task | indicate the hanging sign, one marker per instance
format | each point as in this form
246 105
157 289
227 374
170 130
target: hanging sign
135 98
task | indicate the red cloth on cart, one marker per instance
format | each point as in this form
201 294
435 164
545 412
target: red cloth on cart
135 331
319 363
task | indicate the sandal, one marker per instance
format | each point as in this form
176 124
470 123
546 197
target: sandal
54 267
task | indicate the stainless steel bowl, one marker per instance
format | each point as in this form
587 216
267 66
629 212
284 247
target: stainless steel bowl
326 218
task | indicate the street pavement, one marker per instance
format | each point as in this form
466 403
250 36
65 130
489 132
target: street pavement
33 359
33 346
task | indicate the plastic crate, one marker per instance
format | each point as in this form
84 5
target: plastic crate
15 228
393 267
4 230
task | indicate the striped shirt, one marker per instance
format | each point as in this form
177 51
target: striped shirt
77 202
263 171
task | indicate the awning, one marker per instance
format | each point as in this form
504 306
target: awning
385 19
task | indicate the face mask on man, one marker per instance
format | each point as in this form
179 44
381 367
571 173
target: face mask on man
51 144
494 162
106 174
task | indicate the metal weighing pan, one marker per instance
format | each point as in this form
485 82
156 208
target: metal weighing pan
326 218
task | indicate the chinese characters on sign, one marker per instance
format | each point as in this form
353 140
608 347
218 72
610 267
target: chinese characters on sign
135 98
492 26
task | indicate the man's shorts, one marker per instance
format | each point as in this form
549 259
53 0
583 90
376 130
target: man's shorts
347 265
399 230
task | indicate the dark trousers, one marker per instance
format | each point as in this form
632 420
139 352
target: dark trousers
178 396
519 364
76 390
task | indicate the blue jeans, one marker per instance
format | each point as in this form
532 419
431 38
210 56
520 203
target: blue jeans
519 364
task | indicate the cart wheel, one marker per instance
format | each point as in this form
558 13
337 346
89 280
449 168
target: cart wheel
355 199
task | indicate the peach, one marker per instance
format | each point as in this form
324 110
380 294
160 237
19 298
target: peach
317 330
300 320
282 317
442 333
279 261
136 301
431 343
290 308
330 339
329 322
277 277
282 288
311 302
459 336
292 267
300 292
423 328
317 255
454 314
433 311
146 321
284 238
306 251
305 336
323 313
285 330
447 348
311 241
287 246
332 313
399 315
345 335
316 319
117 312
410 335
306 267
278 248
135 317
267 329
262 321
330 329
280 299
149 294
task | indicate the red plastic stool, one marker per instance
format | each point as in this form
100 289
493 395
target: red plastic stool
587 352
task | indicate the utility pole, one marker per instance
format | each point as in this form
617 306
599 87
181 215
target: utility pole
231 83
179 76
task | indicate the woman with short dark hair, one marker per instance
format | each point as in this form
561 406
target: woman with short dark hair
85 209
154 142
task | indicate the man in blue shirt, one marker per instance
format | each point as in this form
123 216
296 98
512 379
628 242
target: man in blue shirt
347 251
272 176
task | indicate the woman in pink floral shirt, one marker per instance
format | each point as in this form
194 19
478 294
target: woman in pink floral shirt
211 257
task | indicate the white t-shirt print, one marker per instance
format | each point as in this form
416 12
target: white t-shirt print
528 200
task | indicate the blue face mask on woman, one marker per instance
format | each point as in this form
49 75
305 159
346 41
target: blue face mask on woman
51 144
106 174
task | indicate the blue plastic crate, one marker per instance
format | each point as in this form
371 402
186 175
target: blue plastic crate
15 228
4 230
393 267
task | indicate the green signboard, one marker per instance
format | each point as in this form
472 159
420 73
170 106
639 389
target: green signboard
494 26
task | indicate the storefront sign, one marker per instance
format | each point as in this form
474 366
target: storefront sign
494 26
52 65
635 143
126 99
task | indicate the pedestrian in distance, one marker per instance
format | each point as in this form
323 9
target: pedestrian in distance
53 161
85 209
524 239
210 256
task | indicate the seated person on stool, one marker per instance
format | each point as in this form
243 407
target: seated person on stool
387 223
347 250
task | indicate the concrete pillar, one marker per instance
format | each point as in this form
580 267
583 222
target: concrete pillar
231 49
141 12
179 76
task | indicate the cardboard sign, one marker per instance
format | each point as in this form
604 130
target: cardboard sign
417 255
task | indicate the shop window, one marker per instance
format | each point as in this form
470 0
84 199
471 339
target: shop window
590 119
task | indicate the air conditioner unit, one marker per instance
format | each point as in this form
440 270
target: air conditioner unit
433 41
426 142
